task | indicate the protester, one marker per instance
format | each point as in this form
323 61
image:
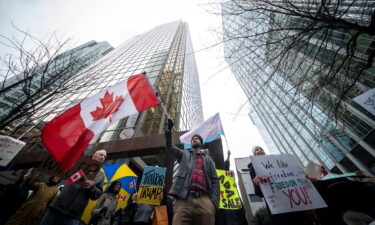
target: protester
168 202
234 216
294 218
68 208
33 209
104 211
13 196
196 186
136 213
350 199
358 202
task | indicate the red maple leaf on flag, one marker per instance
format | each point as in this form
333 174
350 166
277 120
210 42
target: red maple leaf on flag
131 184
110 106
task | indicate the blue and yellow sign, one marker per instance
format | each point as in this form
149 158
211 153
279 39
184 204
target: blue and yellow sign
112 172
152 184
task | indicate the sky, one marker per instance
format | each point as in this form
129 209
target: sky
116 21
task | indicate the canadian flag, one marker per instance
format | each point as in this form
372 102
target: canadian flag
132 184
121 197
229 173
67 135
75 177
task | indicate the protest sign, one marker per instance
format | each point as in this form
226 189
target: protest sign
229 198
151 185
9 148
284 184
367 100
90 168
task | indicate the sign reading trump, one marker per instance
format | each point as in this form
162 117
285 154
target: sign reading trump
151 185
284 184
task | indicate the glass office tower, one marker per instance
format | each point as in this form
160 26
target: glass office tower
287 118
42 80
165 53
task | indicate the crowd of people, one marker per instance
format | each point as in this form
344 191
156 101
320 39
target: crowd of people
350 200
193 198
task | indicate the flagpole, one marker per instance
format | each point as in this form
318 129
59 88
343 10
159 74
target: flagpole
226 142
161 103
165 111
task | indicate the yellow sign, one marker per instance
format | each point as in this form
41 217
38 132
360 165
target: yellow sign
149 195
229 198
151 185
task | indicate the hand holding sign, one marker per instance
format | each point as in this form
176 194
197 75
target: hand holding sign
260 180
284 185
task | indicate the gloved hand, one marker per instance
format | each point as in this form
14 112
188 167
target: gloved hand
170 124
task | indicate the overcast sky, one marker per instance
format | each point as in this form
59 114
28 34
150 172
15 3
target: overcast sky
116 21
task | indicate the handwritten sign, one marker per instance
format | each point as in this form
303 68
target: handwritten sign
229 198
9 148
151 185
284 185
367 100
89 166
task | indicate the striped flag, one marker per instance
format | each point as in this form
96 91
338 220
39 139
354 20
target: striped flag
209 130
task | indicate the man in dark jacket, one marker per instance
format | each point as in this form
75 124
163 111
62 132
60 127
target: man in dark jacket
68 208
195 189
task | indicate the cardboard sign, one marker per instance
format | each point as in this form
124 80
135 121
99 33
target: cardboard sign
284 184
229 198
152 184
9 148
89 166
367 100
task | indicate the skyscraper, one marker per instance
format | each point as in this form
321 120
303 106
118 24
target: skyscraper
28 90
280 93
165 53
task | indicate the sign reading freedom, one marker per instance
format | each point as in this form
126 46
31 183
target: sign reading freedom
229 198
151 185
284 184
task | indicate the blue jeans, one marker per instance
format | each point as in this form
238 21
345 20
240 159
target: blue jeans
55 217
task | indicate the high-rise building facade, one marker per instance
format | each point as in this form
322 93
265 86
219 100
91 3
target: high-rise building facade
165 54
281 108
26 89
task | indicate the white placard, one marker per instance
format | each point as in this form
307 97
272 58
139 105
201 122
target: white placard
9 148
284 184
367 100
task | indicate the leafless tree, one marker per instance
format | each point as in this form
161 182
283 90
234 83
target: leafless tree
323 49
32 77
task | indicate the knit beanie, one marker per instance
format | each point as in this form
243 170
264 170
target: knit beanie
200 138
255 146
